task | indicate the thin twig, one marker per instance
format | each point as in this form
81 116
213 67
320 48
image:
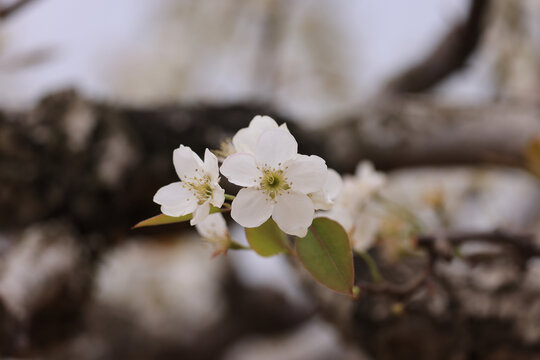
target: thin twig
372 266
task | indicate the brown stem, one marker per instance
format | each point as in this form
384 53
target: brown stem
524 243
439 248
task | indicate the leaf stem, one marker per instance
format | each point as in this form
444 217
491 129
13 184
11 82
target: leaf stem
236 246
372 266
402 211
229 197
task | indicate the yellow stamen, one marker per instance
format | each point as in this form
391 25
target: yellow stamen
273 182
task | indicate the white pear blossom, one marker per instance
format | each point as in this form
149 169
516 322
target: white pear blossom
358 189
354 209
246 138
198 189
276 181
214 230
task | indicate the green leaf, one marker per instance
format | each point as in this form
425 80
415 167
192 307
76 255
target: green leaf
326 253
163 219
236 246
267 239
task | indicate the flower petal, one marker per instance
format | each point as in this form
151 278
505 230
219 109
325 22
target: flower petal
293 213
201 213
320 200
263 122
275 147
333 185
340 215
218 197
241 169
366 173
175 200
364 233
246 139
325 198
187 163
210 165
306 174
251 208
364 168
214 229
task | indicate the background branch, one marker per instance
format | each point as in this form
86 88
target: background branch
7 11
449 56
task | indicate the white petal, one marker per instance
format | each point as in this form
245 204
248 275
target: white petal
218 196
240 169
364 168
214 229
306 174
340 215
324 200
200 213
210 165
333 185
275 147
187 163
246 138
365 232
175 200
263 122
250 208
366 173
293 213
321 201
244 141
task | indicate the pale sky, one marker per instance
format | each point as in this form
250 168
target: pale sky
387 36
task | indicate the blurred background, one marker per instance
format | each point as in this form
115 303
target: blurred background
441 95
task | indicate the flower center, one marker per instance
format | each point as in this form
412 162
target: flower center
273 182
200 187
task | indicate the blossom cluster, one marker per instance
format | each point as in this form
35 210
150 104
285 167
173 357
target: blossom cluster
275 182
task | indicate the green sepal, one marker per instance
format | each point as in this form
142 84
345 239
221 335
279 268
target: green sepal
163 219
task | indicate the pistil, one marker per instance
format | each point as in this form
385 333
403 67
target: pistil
273 182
